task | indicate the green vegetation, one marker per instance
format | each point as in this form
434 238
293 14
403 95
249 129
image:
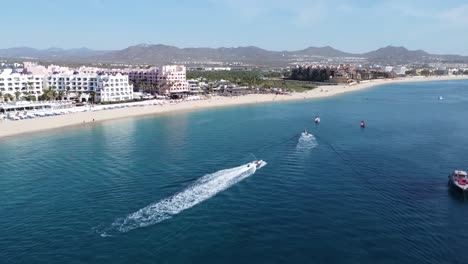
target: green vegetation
289 85
50 94
252 79
243 78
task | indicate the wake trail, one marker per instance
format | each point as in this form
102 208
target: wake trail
202 189
306 142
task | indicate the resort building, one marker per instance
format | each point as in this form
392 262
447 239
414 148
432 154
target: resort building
91 86
19 85
114 87
146 76
194 86
172 80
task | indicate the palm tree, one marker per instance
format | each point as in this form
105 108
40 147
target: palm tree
92 96
67 92
25 96
51 94
61 94
30 85
43 96
17 95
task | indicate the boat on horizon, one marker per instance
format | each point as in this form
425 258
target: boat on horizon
459 180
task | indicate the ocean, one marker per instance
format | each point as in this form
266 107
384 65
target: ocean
177 189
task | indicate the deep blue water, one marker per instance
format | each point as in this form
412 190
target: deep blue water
373 195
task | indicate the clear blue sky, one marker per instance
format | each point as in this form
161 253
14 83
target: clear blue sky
437 26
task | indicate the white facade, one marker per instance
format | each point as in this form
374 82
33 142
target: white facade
106 87
112 88
172 79
194 86
400 70
27 84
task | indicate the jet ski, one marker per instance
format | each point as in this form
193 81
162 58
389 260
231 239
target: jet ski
305 133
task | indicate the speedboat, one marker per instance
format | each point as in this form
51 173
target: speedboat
257 164
459 180
317 120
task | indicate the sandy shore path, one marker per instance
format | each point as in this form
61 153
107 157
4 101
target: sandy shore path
11 128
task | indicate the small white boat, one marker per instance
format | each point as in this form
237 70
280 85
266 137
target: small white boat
317 120
459 180
305 133
441 98
257 164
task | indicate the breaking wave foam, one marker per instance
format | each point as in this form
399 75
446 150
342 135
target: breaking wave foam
201 190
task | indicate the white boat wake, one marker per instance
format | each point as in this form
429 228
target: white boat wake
306 142
201 190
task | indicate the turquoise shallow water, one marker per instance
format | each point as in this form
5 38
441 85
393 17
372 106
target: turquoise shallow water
349 195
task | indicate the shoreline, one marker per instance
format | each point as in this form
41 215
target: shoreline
13 128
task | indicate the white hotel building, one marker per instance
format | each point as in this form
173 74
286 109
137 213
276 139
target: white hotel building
27 84
106 87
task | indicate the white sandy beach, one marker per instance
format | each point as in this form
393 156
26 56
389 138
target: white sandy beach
11 128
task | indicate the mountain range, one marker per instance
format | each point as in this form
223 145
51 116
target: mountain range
160 54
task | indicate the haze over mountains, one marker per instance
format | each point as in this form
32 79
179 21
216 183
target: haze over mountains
159 54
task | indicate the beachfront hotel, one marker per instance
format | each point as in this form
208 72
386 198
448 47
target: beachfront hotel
171 79
17 84
89 85
105 87
146 76
92 83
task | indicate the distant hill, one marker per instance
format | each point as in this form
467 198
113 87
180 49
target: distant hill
160 54
26 52
323 52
